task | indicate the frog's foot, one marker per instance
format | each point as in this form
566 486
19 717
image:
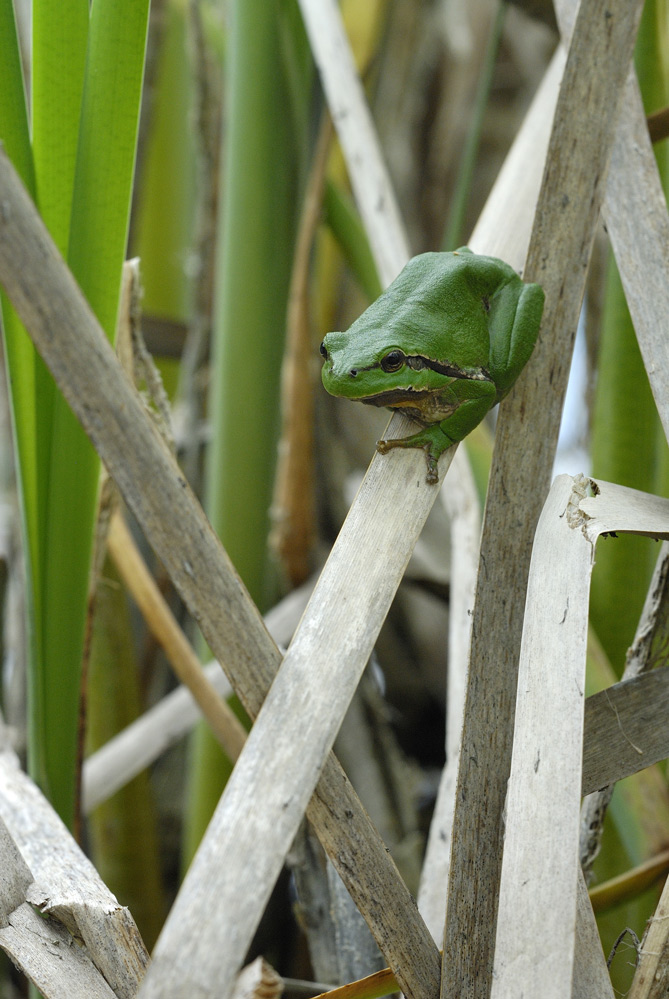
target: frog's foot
433 444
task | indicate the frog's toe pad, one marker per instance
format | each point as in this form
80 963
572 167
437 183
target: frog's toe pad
432 476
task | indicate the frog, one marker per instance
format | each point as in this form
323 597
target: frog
443 344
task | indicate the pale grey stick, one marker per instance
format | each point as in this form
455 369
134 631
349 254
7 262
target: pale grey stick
143 741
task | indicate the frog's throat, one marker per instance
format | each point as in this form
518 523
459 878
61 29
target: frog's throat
426 408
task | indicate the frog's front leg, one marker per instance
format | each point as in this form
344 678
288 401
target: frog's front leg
431 440
436 439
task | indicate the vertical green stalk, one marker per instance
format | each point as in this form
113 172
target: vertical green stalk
100 202
86 84
59 46
106 152
463 181
253 265
59 35
253 268
122 830
624 435
13 111
162 227
20 353
59 40
340 214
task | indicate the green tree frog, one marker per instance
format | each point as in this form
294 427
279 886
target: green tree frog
443 344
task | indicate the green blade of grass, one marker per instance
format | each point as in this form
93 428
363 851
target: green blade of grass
100 201
340 214
255 248
19 350
624 436
163 239
123 829
465 175
106 151
254 258
14 131
21 358
59 41
59 33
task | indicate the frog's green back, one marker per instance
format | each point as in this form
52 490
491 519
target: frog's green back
456 310
433 308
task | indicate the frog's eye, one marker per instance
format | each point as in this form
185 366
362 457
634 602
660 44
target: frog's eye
323 349
393 361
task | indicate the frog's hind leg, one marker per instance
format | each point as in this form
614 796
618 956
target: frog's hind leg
521 316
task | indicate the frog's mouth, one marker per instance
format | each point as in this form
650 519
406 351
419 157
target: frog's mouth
424 406
397 397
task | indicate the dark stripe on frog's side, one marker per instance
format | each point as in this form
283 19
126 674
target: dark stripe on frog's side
417 361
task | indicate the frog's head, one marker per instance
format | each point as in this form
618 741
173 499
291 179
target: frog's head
416 339
383 373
